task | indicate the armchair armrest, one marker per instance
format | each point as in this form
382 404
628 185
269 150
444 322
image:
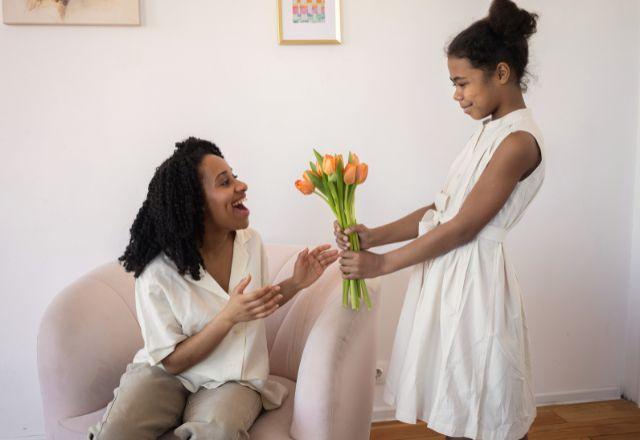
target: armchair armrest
336 380
87 336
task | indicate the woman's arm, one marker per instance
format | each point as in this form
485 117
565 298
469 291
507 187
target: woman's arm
309 266
517 155
240 308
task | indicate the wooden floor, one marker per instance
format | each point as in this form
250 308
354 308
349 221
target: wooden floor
611 420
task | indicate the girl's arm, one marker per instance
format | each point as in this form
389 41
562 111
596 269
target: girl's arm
402 229
516 156
240 308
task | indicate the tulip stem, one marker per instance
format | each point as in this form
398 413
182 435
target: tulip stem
322 196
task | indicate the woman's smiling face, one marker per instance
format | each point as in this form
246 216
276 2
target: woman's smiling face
474 89
224 194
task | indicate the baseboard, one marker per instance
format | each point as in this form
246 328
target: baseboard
383 412
579 396
24 437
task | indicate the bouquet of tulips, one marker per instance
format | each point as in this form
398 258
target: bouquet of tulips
336 184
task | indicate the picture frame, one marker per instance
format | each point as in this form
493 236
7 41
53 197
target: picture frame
309 22
71 12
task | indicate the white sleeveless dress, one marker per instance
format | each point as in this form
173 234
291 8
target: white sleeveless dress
460 360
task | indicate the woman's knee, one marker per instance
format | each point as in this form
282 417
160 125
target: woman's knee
214 430
147 403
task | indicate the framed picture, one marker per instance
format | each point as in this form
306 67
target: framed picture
72 12
309 21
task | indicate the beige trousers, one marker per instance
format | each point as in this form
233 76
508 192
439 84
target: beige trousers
151 402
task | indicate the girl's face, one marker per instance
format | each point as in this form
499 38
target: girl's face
475 91
224 194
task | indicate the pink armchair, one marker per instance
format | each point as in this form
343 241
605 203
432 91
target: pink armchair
324 354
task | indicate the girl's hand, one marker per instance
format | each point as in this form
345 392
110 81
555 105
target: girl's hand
311 264
364 234
258 304
361 265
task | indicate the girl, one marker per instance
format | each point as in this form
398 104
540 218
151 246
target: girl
460 360
204 365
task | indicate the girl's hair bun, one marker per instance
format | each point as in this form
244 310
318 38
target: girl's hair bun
510 22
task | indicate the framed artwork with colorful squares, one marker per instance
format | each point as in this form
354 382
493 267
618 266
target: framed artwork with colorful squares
309 22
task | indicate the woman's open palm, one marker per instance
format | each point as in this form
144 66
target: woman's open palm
310 265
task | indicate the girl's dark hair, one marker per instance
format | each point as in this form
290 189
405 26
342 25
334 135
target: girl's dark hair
171 219
500 37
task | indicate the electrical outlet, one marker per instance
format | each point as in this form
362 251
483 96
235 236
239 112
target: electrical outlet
381 372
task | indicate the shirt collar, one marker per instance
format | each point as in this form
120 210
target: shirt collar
239 263
507 119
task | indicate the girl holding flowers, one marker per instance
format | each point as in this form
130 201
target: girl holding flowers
460 360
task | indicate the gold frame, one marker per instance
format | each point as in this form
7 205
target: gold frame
12 21
337 40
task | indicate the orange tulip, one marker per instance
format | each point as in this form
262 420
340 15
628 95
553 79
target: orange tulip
353 158
329 165
362 170
339 159
350 174
318 169
306 176
305 187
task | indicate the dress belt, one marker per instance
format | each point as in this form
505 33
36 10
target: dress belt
434 217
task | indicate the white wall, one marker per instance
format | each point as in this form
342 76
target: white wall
631 378
87 113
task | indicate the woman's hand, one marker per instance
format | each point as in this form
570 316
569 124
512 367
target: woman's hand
258 304
310 265
240 307
342 239
361 265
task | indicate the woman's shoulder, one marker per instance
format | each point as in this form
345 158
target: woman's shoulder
158 271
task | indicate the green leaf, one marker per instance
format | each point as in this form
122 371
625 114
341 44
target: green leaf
318 183
318 156
340 184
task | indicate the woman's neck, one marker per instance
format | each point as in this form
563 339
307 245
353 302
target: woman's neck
215 240
217 254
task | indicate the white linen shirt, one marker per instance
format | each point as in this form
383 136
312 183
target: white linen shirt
172 307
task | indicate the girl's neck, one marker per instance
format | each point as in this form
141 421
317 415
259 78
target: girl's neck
511 103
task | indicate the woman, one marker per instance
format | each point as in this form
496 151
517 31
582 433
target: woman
201 295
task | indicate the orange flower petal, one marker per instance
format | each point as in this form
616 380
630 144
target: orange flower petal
305 187
362 170
350 174
329 165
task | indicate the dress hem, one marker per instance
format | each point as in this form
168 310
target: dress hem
452 431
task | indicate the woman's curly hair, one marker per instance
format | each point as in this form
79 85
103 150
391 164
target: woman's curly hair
171 219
